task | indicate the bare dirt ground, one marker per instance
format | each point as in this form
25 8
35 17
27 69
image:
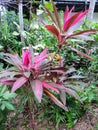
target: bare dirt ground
89 121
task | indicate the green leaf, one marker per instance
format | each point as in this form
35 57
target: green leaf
39 11
15 33
2 107
8 105
2 89
48 5
8 95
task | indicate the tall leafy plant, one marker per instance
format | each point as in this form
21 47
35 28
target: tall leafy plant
39 74
67 29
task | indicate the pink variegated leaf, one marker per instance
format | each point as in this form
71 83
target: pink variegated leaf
31 58
1 84
72 93
70 70
47 86
81 53
39 59
44 52
51 16
86 50
6 73
74 19
37 89
12 59
74 27
43 66
70 21
46 63
57 17
53 30
74 87
19 83
76 77
61 64
58 86
16 59
6 81
80 16
85 32
84 37
63 97
55 100
57 71
7 59
26 57
67 14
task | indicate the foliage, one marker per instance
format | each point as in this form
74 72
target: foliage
59 117
90 94
5 105
40 73
8 40
71 24
9 32
51 75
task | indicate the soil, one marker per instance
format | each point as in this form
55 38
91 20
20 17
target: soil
89 121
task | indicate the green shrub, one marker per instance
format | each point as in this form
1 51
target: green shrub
6 105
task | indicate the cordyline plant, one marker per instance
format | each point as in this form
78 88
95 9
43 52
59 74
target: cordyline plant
39 73
67 30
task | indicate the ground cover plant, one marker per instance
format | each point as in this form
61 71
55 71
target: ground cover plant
46 73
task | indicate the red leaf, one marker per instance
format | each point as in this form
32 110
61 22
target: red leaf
31 58
85 32
72 93
55 100
67 14
14 60
63 97
25 57
81 53
57 71
50 15
58 86
44 52
53 30
47 86
19 83
57 17
74 19
38 60
6 81
37 89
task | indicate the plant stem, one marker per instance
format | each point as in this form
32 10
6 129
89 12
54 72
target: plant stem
31 111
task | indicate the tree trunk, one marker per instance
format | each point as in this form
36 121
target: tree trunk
20 7
91 9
